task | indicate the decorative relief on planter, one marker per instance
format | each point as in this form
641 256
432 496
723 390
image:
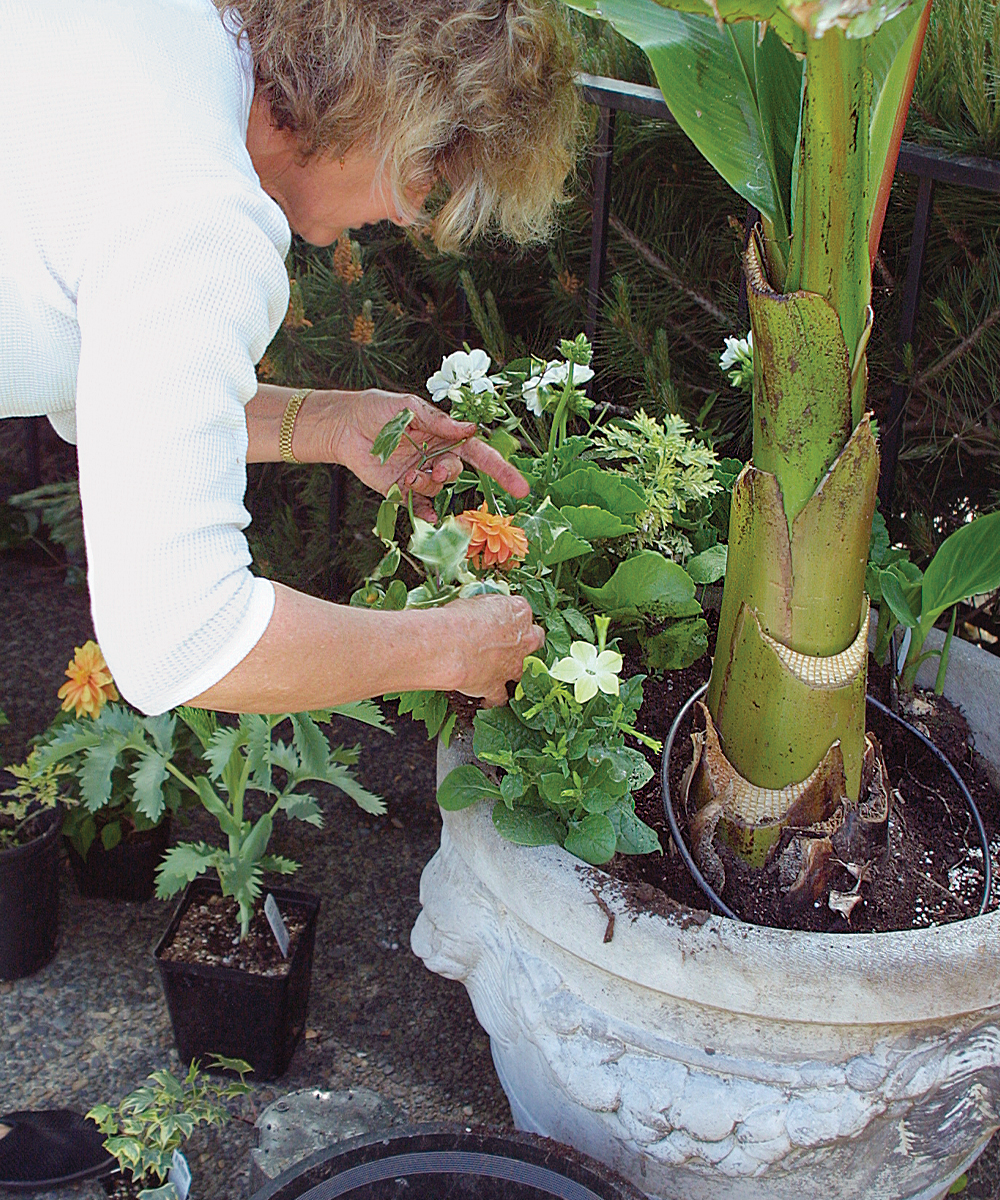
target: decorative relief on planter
727 1112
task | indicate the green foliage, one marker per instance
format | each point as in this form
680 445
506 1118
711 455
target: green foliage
38 790
678 476
50 513
149 1124
243 758
967 564
567 776
121 762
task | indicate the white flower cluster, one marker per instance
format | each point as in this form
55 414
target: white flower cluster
737 360
538 388
461 370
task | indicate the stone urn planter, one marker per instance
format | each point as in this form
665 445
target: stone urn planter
707 1059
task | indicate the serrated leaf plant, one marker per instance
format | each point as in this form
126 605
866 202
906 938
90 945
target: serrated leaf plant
800 108
243 759
149 1124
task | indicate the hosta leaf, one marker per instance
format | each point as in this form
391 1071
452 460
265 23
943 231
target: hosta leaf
527 826
463 786
390 435
894 596
966 564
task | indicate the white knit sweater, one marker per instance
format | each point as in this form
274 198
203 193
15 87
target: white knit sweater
141 278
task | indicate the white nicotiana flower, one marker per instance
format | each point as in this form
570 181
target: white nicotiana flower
737 351
460 370
588 671
555 374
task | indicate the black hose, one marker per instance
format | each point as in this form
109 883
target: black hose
703 883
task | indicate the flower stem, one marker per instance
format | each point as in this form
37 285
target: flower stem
487 489
182 777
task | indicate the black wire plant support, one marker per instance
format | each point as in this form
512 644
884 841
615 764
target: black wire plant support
707 888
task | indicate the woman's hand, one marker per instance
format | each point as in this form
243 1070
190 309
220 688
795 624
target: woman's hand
489 638
341 427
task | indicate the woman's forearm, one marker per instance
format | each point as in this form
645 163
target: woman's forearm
264 414
314 654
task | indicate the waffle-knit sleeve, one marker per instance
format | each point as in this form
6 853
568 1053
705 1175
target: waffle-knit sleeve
175 306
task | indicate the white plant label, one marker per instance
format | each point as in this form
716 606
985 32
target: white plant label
277 923
180 1175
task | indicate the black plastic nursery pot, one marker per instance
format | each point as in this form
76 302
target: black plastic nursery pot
126 871
434 1162
222 1010
29 901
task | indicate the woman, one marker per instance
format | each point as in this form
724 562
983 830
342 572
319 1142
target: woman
153 161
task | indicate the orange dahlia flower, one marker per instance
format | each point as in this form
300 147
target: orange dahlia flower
495 541
90 684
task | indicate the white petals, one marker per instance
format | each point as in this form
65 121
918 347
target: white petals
588 671
554 376
458 370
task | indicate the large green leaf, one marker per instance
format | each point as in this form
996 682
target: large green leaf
593 839
95 774
527 826
590 521
147 779
967 564
464 786
706 85
646 583
604 489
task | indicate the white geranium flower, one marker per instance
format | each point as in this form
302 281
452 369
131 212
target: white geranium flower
460 370
738 350
554 376
588 671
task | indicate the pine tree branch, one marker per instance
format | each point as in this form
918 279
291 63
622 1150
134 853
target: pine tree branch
958 351
726 320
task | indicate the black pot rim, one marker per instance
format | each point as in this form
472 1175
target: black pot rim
462 1161
707 888
309 901
36 844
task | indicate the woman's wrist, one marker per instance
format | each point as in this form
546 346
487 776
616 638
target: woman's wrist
317 431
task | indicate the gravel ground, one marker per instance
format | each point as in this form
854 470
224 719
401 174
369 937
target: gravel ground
92 1024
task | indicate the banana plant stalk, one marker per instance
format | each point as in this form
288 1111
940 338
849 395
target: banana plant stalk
800 107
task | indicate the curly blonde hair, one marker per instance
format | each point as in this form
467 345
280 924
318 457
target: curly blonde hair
476 94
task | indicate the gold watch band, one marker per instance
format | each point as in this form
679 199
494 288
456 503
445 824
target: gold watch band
295 401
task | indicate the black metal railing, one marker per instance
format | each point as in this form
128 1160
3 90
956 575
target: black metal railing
929 165
612 96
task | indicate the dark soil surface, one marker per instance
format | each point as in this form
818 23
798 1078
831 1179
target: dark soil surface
931 871
208 933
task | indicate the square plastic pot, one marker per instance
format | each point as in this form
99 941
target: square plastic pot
29 902
223 1010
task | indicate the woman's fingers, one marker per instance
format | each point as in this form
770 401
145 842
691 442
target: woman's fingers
484 458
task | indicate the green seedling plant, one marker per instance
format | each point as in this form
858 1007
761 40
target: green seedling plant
39 789
241 759
966 564
149 1124
116 758
800 108
246 758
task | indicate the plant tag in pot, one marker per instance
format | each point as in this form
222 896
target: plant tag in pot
277 923
180 1174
